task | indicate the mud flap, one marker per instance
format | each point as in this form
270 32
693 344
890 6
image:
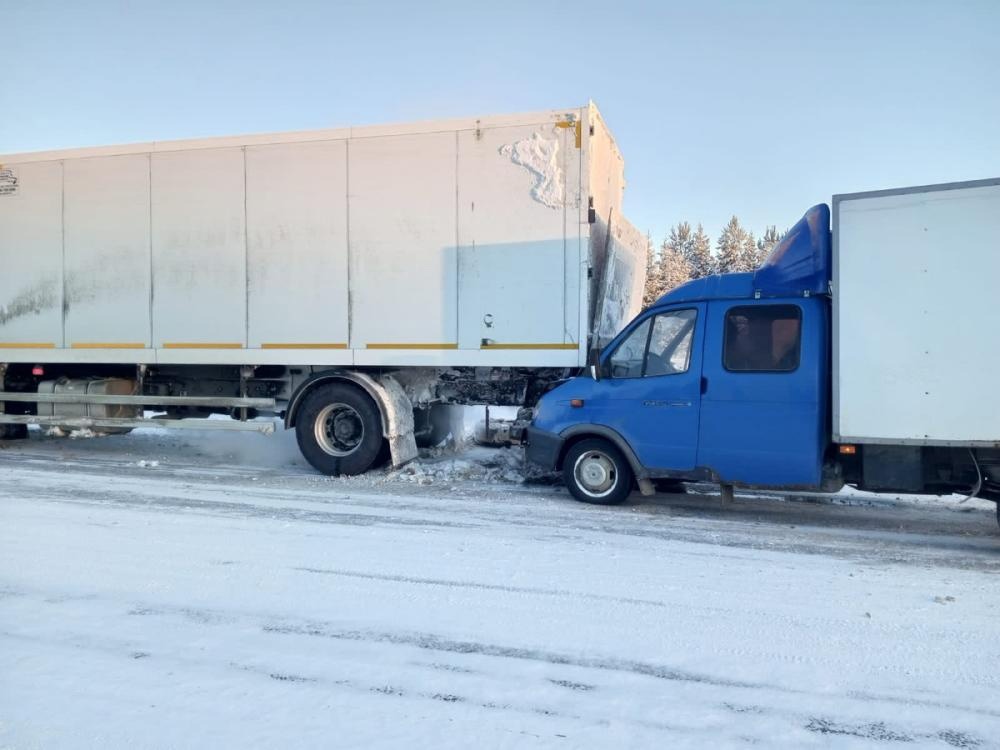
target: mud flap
398 417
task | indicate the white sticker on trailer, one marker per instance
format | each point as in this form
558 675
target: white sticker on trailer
8 181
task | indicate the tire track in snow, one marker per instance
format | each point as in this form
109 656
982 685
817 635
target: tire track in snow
483 586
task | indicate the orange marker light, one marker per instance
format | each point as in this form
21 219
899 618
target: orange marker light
848 450
576 402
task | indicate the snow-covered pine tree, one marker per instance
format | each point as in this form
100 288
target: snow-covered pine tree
748 253
651 291
666 267
700 260
674 268
766 243
680 238
729 248
675 256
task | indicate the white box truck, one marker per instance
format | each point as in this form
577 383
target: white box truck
338 278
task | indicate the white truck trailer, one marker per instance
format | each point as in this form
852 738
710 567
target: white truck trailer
338 278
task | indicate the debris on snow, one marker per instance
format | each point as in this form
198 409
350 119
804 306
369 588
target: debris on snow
437 465
83 433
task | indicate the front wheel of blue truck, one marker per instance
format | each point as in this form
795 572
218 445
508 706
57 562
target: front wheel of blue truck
596 472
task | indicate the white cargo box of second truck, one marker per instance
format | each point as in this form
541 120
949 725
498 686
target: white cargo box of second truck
477 242
916 315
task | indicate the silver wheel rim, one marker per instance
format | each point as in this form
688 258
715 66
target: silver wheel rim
339 429
595 473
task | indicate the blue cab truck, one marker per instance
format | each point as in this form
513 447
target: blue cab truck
862 352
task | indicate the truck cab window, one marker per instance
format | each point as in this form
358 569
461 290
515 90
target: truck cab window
764 338
670 343
664 350
628 358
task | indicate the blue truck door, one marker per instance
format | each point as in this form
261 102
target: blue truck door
651 391
763 406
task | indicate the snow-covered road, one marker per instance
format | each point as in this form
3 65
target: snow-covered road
158 591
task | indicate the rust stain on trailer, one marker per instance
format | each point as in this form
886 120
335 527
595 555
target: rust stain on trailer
32 301
577 125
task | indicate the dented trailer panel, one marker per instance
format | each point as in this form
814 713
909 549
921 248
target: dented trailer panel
465 242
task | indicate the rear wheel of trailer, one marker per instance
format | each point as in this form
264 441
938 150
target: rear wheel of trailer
339 429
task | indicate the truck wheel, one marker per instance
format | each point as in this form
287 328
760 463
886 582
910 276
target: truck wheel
597 472
339 430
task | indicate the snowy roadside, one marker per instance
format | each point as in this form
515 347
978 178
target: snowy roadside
175 590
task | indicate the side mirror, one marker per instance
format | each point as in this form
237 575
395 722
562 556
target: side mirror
595 364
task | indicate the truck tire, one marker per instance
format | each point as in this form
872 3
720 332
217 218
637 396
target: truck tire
596 472
339 429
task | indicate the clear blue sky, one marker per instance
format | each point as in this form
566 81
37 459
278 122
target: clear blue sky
755 108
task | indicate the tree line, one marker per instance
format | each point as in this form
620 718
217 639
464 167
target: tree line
687 254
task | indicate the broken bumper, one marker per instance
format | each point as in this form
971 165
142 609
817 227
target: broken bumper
543 448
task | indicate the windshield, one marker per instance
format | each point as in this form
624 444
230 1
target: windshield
659 345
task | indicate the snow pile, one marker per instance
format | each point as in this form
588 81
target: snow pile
438 466
86 432
83 433
540 156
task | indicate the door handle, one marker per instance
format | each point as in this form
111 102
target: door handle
704 385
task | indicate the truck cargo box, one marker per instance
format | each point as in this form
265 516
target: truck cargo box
493 241
916 315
